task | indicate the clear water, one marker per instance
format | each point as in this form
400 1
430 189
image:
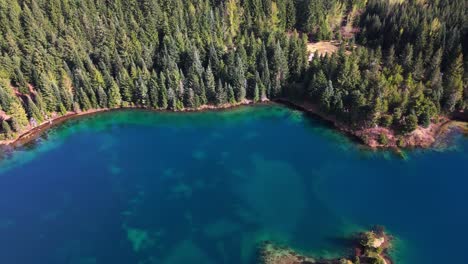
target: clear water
143 187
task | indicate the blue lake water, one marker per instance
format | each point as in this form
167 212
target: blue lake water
144 187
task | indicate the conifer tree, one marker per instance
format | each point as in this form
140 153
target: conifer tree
239 81
221 94
156 53
125 85
18 116
102 97
115 100
33 111
231 94
163 96
256 96
153 90
210 85
7 132
454 83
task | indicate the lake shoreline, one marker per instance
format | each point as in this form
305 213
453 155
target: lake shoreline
367 247
365 137
370 137
33 133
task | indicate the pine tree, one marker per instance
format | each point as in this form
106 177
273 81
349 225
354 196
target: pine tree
115 100
62 109
210 85
33 111
407 58
290 14
221 94
40 103
326 96
171 99
83 100
239 81
5 98
163 96
280 70
319 82
189 98
390 58
435 76
47 91
6 130
231 95
114 53
141 92
125 85
18 116
153 90
418 67
264 70
233 17
256 96
453 92
66 89
102 97
294 58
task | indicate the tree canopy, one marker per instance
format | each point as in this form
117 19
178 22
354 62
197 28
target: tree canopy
58 56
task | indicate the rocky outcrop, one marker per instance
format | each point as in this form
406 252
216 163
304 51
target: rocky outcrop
369 248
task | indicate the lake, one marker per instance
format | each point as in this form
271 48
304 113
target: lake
145 187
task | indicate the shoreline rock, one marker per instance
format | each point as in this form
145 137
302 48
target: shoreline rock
372 137
369 248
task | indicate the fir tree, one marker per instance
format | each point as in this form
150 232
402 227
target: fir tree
153 91
454 83
102 97
256 96
115 100
210 85
18 116
33 111
6 129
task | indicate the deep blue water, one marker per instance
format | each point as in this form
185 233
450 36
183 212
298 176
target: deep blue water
143 187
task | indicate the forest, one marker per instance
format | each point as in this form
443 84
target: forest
403 66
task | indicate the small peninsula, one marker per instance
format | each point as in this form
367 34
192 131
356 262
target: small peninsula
369 247
382 137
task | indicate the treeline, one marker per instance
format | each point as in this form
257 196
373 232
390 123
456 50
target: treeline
428 39
360 91
408 69
58 55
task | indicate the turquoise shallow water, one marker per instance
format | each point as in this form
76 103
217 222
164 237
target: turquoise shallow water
143 187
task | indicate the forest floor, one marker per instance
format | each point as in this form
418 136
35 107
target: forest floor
322 48
325 47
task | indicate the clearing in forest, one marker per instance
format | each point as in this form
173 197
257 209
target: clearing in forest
325 47
322 48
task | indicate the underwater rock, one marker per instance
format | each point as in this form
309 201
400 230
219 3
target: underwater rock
369 248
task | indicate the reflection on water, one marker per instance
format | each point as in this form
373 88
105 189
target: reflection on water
142 187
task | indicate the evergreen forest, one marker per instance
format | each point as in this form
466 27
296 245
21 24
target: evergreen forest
403 64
